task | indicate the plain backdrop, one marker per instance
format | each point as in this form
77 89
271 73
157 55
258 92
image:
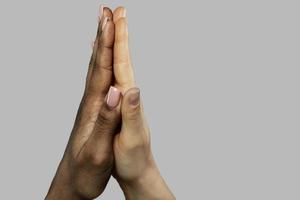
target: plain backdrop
219 81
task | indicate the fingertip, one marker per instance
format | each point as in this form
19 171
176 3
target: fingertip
105 16
132 99
104 12
107 12
119 13
132 116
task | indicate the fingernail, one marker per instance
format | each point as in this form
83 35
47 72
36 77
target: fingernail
104 23
134 98
113 97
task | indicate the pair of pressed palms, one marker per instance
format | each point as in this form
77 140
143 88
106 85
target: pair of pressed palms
110 134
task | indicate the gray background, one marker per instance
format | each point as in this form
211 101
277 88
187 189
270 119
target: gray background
219 79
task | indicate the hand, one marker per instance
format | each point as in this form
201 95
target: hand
88 160
135 168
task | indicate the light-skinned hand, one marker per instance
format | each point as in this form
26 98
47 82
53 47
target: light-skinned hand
135 168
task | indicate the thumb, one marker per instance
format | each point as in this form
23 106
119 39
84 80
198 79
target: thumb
132 117
109 115
108 120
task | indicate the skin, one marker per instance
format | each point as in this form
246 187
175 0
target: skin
109 141
88 159
135 168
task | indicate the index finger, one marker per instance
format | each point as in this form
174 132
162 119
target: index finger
123 71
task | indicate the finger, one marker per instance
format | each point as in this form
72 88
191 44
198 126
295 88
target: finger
104 12
99 144
132 115
119 12
91 101
124 76
101 77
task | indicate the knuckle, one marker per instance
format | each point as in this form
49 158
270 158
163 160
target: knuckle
106 45
103 64
135 145
133 112
138 141
100 159
96 160
122 62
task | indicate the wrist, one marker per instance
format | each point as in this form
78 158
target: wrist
148 186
